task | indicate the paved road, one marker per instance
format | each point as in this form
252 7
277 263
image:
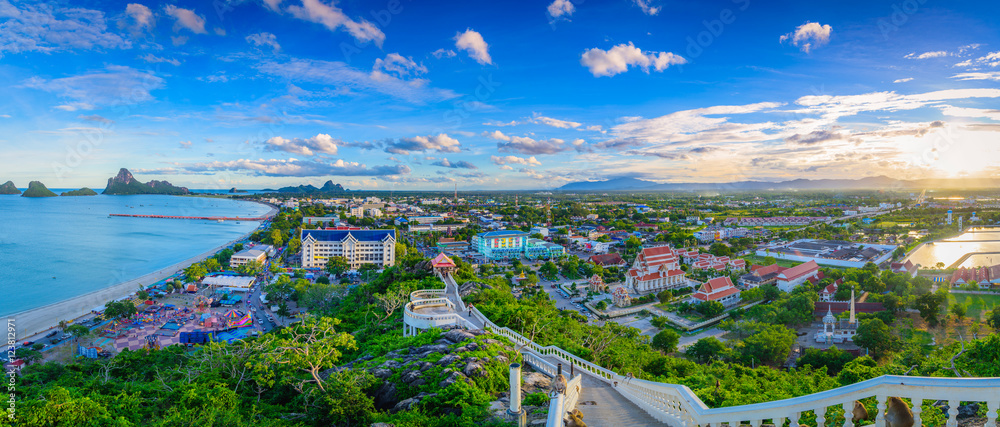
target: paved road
602 405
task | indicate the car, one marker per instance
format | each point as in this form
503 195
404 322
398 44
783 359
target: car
51 334
28 344
65 337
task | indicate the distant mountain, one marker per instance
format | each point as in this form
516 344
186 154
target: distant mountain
234 191
124 184
37 189
81 192
874 182
609 185
328 188
9 188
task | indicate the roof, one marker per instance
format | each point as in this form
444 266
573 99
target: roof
248 253
503 233
607 259
765 270
341 235
715 289
800 270
442 260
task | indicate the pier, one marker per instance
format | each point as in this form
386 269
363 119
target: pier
206 218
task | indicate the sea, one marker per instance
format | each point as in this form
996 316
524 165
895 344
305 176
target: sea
976 247
56 248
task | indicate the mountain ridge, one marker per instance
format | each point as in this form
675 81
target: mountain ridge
871 182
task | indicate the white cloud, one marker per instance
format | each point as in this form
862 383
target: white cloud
321 143
619 58
461 164
45 28
186 19
556 123
953 111
926 55
444 53
138 19
264 39
295 167
473 43
560 8
398 65
809 36
514 160
995 76
904 80
333 19
115 85
185 144
441 143
647 7
153 59
274 5
526 145
345 77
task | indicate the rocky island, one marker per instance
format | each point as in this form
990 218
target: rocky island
126 184
328 188
9 188
81 192
37 189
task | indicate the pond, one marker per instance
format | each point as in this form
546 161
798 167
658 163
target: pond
976 247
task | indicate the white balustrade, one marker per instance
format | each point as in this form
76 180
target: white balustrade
677 405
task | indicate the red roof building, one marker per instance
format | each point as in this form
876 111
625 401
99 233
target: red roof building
719 289
792 277
608 260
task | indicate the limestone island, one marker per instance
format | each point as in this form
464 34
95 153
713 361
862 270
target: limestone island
234 191
81 192
37 189
9 188
126 184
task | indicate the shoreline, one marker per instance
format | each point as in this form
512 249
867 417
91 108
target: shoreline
47 317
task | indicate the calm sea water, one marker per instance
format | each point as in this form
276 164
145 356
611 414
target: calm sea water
983 243
55 248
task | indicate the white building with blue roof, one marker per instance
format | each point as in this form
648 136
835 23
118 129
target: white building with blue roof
357 246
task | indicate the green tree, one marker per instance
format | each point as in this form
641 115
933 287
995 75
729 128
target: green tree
666 341
994 319
142 294
706 349
876 336
77 331
195 272
119 309
276 238
602 305
769 260
710 308
959 311
211 264
283 310
311 347
337 265
929 306
252 268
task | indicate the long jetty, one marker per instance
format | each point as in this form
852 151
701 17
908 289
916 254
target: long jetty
206 218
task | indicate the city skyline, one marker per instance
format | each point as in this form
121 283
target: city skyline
488 95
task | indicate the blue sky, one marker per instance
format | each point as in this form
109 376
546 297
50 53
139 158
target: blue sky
496 95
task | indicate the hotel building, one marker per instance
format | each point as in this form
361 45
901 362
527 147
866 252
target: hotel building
357 246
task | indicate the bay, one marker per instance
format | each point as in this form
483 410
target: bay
57 248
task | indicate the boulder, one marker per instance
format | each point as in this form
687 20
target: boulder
410 376
385 396
455 376
448 359
391 364
474 369
457 335
381 373
967 411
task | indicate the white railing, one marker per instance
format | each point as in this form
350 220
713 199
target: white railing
561 403
677 405
449 282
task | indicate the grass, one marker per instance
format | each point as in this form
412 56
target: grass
977 305
759 260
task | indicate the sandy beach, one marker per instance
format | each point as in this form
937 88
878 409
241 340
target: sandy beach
31 322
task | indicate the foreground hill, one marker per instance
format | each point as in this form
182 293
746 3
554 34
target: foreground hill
125 184
37 189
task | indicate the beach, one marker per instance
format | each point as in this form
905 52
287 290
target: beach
42 319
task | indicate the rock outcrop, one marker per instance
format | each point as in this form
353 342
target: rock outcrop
126 184
9 188
37 189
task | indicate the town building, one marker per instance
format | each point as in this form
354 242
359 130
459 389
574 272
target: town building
719 289
904 268
447 244
620 297
830 252
357 246
790 278
502 245
596 284
760 275
246 256
357 212
607 260
656 269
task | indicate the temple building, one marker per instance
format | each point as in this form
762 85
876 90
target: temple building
838 331
654 270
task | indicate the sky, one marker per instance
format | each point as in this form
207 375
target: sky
426 95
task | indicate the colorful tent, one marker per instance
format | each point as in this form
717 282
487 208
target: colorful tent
246 320
232 314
